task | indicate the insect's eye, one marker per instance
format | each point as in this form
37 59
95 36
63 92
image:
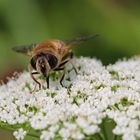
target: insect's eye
52 60
33 62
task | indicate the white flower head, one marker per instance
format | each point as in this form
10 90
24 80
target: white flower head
77 110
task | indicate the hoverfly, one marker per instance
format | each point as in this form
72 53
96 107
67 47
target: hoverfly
50 55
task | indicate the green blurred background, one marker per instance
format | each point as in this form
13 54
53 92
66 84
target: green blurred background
29 21
32 21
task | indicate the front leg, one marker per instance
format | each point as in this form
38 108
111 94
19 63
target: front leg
47 80
62 78
31 74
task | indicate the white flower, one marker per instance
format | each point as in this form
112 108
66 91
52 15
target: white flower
39 121
20 134
64 133
46 135
128 137
82 122
73 131
77 110
91 129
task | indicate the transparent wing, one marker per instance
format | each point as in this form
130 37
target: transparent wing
80 40
25 49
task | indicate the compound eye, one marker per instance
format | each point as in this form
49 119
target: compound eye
33 62
52 60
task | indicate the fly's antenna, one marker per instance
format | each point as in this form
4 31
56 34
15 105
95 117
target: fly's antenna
80 40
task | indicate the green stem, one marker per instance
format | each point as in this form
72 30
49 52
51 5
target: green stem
100 136
104 131
97 136
32 135
115 137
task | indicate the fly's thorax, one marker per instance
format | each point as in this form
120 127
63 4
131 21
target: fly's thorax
52 46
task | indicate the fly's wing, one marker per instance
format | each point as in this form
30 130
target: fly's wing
80 40
25 49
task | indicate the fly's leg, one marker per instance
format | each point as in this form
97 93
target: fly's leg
62 78
47 80
73 67
32 76
64 73
68 58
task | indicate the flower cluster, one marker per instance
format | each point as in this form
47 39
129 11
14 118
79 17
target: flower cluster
78 110
19 134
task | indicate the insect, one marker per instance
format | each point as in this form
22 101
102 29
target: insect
50 55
